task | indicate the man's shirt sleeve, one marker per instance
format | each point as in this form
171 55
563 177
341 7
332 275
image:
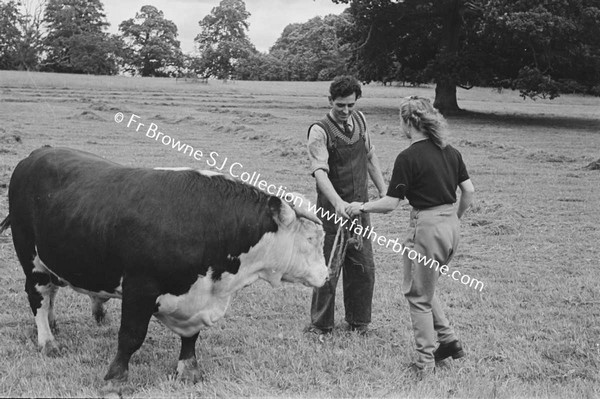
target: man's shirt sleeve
317 149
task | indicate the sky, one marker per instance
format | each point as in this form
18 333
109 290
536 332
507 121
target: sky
267 19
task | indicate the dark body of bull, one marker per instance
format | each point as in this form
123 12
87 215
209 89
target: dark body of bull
174 244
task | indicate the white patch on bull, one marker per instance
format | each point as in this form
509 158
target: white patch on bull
204 304
119 289
203 172
209 173
293 254
42 315
51 316
176 169
207 300
271 259
39 266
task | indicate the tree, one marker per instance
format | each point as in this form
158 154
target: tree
261 66
522 44
10 35
20 34
307 51
152 48
76 41
313 50
544 49
31 45
222 40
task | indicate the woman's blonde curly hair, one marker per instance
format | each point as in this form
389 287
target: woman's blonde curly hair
420 114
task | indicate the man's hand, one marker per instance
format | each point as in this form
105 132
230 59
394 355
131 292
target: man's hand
353 209
340 208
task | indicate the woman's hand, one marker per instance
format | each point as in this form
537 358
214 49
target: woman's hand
353 208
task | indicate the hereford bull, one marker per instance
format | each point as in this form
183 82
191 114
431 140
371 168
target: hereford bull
175 244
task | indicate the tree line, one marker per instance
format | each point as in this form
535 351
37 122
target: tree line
541 48
70 36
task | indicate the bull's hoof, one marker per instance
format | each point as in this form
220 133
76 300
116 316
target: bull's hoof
51 349
53 326
98 310
116 389
189 372
100 317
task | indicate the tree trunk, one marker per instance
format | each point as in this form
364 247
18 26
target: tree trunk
445 90
445 97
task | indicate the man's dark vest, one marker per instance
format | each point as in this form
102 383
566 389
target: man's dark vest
348 170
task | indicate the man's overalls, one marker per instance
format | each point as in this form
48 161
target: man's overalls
348 173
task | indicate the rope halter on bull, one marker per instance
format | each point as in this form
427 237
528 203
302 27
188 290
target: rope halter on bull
343 237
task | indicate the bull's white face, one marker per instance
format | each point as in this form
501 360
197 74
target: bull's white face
307 262
293 254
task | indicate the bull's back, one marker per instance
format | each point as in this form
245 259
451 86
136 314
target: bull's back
38 182
91 220
49 169
59 206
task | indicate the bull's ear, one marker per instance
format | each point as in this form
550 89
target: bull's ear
282 213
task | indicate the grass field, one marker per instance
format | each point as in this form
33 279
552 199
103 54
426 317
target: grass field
532 238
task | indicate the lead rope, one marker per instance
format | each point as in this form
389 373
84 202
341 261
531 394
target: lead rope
338 252
333 248
343 237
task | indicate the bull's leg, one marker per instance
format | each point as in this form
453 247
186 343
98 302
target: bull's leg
139 301
51 316
41 292
98 309
39 287
187 366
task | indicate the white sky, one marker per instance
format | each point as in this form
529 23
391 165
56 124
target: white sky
267 19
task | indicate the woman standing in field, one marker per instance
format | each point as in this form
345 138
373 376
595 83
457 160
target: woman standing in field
427 174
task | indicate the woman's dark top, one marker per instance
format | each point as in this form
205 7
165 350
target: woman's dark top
427 175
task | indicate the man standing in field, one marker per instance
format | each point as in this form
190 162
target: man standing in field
342 156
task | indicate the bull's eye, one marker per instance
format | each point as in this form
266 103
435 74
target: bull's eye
308 244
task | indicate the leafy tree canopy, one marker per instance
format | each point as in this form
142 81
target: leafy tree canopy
540 48
76 41
10 35
543 48
222 40
313 50
152 48
20 34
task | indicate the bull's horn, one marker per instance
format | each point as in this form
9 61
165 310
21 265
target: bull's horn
302 206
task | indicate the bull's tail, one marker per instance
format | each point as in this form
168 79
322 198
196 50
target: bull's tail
5 224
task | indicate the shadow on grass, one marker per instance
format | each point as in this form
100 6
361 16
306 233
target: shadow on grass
567 122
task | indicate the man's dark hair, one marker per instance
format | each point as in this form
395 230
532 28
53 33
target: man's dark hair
343 86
